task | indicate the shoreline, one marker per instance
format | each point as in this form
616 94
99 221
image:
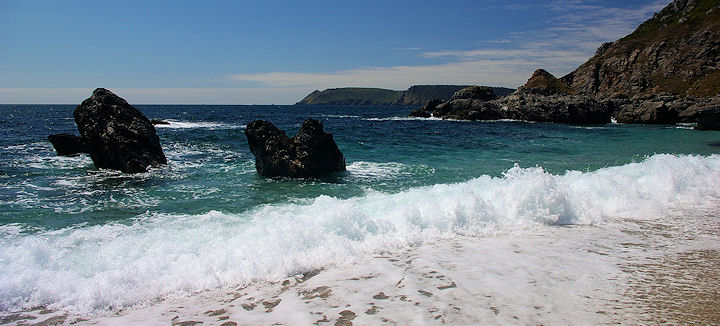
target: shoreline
629 271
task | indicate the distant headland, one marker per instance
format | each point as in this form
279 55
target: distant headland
414 96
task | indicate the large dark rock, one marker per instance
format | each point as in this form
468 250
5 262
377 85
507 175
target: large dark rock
117 135
312 152
67 144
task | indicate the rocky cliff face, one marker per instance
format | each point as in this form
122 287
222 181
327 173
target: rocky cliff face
676 52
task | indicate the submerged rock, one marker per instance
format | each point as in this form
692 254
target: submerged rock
117 135
67 144
311 152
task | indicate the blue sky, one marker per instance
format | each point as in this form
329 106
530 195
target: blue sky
263 52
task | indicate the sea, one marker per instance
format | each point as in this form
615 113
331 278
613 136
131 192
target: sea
92 242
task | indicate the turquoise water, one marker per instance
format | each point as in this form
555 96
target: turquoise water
409 181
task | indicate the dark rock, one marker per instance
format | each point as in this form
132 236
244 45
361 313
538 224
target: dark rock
312 152
574 109
707 115
159 122
646 112
709 119
68 145
117 135
427 110
482 93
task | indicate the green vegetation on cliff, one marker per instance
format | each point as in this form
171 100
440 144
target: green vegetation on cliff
675 52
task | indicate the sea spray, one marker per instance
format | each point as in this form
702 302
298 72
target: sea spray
104 268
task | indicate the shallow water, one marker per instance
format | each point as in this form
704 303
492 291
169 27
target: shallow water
85 240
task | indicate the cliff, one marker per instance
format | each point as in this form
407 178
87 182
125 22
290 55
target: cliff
675 52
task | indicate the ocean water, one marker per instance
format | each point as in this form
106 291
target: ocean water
89 241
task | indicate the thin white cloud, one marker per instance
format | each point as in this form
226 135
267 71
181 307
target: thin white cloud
399 77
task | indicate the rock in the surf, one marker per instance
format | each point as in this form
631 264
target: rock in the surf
312 152
117 135
67 144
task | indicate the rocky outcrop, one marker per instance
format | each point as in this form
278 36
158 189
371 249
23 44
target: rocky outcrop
67 144
542 99
675 52
482 93
117 135
311 152
419 94
543 83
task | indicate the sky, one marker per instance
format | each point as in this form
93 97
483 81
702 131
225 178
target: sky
276 52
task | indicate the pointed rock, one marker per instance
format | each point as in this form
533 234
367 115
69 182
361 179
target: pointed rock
117 135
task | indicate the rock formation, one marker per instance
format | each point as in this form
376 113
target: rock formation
311 152
67 144
117 135
543 98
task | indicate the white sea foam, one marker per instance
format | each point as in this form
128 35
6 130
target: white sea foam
177 124
338 116
96 269
406 119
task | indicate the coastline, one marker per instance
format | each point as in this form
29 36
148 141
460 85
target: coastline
624 271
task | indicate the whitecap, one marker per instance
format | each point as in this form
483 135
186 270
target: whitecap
177 124
105 268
